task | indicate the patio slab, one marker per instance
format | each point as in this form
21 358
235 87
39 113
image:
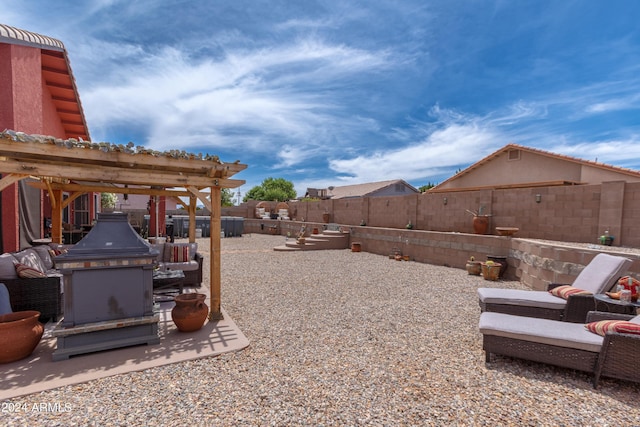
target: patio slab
39 372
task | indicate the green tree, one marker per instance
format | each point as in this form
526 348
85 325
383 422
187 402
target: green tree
424 188
227 197
278 189
108 200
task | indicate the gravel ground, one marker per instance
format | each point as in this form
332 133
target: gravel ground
343 338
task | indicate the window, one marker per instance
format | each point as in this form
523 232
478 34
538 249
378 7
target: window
513 155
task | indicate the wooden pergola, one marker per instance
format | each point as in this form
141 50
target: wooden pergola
58 166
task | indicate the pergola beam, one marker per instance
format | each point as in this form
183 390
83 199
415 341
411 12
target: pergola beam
57 163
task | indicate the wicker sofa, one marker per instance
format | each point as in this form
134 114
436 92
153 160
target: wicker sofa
43 294
181 256
564 344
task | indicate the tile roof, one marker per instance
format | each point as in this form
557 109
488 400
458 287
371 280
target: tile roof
361 190
506 148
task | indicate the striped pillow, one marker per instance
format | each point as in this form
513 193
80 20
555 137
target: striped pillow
603 327
179 253
26 272
565 291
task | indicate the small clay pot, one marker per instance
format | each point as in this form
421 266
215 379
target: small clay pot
20 333
474 268
190 312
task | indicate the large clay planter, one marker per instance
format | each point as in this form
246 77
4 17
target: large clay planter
326 217
20 333
190 312
480 224
491 271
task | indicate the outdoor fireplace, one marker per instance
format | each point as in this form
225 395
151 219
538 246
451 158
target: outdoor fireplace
108 290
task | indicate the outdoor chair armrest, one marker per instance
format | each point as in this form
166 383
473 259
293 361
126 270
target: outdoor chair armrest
577 308
596 316
618 358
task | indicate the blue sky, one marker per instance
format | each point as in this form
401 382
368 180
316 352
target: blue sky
330 93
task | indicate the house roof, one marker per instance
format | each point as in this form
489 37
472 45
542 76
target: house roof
57 77
362 190
624 171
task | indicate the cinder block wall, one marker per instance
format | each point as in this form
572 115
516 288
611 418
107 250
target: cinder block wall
579 213
534 263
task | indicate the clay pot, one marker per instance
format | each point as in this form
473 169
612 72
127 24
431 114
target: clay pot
190 312
502 260
474 268
480 224
20 333
356 247
326 217
491 271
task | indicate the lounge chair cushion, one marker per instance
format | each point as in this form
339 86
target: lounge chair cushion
601 273
521 297
544 331
565 291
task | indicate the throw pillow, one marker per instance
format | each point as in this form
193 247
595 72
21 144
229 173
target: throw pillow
602 327
26 272
565 291
179 253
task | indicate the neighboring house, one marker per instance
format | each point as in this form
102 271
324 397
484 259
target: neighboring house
516 166
39 96
395 187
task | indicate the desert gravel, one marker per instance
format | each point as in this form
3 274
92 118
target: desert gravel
343 339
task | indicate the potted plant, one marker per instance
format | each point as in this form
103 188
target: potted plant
480 221
473 267
491 270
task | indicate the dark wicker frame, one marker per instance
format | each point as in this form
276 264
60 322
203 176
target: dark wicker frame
40 294
575 310
617 357
193 278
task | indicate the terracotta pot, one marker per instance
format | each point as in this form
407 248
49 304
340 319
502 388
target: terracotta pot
326 217
20 333
491 272
190 312
480 224
474 268
356 247
315 230
502 260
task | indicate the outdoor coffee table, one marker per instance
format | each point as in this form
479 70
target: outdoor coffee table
614 305
165 283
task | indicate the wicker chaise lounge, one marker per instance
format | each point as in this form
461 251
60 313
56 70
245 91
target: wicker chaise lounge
597 277
564 344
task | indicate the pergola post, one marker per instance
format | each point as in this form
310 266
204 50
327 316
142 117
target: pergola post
192 218
215 312
56 215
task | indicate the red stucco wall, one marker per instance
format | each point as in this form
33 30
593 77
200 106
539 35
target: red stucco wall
26 107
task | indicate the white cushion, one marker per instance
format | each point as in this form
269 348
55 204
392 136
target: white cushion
520 297
601 273
543 331
8 267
